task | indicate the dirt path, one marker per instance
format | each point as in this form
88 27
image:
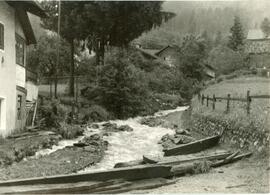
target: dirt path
246 176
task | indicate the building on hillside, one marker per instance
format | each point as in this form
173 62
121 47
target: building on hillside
147 53
209 71
257 45
17 85
169 54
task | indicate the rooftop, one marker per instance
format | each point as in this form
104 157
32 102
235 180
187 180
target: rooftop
256 34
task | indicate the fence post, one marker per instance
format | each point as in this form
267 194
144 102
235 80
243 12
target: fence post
214 102
199 96
248 102
207 100
228 103
202 98
51 88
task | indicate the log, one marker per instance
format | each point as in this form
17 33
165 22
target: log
231 160
129 164
127 173
193 147
172 160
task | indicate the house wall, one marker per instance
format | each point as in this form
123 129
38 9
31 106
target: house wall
170 56
257 46
32 91
7 71
259 60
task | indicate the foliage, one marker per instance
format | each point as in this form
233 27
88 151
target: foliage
265 26
226 60
95 113
69 131
236 39
192 57
43 58
122 86
53 113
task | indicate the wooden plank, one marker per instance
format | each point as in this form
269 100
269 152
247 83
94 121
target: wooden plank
127 173
141 185
215 155
193 147
260 96
79 187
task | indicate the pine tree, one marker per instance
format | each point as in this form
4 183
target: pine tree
237 35
265 26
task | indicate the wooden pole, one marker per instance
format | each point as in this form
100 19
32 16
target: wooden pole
228 102
214 102
207 100
50 88
248 102
202 99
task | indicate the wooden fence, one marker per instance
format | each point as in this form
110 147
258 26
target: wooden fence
229 99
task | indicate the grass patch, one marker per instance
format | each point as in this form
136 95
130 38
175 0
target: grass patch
246 131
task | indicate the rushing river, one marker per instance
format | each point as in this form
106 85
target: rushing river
125 146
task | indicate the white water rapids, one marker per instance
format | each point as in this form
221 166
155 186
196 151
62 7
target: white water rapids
125 146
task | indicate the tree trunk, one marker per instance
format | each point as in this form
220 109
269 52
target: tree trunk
72 69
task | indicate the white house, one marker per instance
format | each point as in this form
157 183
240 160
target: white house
15 34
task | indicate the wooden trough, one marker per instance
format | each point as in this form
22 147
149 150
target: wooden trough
193 147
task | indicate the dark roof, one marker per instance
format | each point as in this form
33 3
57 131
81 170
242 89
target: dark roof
32 7
209 66
147 54
21 9
163 49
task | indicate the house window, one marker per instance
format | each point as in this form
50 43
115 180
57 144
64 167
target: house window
20 44
19 107
1 36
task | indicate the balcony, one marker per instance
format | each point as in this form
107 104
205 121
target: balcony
31 76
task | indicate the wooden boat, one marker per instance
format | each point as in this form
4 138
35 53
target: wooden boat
193 147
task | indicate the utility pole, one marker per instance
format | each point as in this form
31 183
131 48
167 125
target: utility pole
58 49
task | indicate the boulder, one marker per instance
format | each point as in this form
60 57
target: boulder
110 127
182 132
125 128
94 126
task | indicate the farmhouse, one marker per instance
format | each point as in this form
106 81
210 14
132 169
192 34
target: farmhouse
170 54
258 47
17 85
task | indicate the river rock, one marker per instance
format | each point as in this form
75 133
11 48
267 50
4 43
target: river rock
110 127
182 132
125 128
94 126
152 121
183 139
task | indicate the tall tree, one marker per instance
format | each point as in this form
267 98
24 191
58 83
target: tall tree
192 56
101 23
236 39
265 26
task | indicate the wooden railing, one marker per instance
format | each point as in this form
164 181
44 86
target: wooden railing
248 99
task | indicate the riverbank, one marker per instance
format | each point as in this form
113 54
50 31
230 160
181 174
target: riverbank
251 175
239 132
101 147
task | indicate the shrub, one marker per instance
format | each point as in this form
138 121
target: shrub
53 113
95 113
70 131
